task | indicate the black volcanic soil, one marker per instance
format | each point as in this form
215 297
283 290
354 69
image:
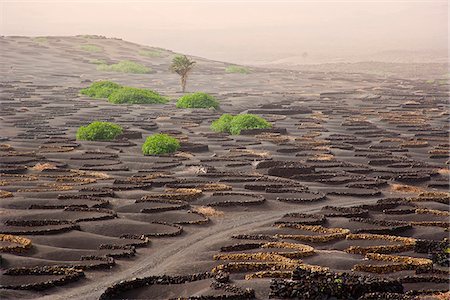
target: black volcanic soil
360 154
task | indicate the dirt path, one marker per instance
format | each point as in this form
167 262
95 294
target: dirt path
182 250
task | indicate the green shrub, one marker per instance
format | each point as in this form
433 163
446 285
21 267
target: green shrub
118 94
125 66
197 100
99 131
237 69
89 36
222 124
247 121
136 96
97 61
101 89
150 53
234 124
157 144
91 48
40 39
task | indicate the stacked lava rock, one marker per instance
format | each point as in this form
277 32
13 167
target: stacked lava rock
308 284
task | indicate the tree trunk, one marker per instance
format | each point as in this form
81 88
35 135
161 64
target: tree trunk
183 83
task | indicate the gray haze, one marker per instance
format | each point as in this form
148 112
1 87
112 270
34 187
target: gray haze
249 31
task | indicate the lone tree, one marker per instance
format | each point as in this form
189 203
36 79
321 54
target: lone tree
182 65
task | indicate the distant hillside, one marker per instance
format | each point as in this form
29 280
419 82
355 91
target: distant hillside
391 56
429 70
79 55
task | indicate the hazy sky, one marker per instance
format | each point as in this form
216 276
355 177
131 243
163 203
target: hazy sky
242 31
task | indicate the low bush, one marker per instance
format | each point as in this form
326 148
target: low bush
222 124
91 48
97 61
136 96
197 100
237 69
247 121
91 36
150 53
99 131
118 94
101 89
235 124
160 144
40 39
125 66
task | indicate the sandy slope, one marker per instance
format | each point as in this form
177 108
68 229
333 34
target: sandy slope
350 137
